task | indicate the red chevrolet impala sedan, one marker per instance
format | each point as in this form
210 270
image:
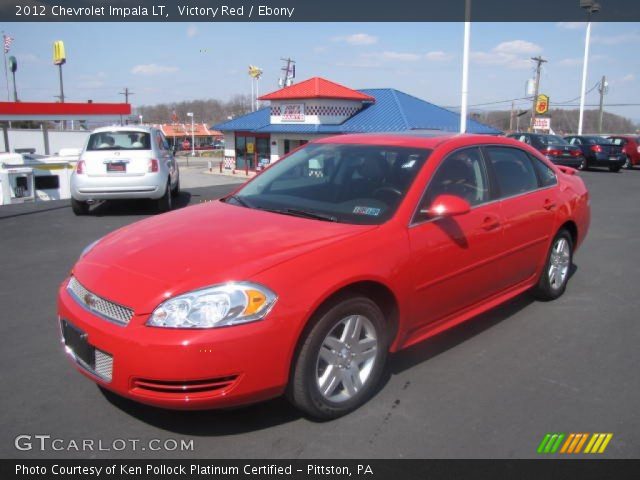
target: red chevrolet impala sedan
304 279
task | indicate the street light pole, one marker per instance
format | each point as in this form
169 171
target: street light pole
592 7
465 67
193 135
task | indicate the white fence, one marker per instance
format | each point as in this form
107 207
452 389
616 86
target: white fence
19 138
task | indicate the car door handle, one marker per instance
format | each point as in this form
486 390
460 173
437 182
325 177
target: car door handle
549 204
490 222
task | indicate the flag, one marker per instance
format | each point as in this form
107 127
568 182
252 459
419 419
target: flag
7 43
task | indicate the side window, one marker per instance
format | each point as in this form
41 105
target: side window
160 140
575 141
165 142
461 174
513 171
546 176
618 141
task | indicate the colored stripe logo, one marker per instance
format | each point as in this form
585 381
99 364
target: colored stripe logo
573 443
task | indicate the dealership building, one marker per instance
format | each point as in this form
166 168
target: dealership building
317 108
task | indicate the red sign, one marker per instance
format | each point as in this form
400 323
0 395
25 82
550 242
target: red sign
293 112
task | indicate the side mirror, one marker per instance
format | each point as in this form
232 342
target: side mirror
447 206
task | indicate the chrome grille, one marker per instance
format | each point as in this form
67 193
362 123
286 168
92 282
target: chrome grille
106 309
104 365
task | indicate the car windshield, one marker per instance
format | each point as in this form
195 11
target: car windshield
552 140
359 184
119 140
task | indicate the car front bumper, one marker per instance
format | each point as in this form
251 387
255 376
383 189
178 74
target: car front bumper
182 368
86 187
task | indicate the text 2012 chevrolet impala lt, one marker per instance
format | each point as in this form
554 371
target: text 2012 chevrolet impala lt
305 278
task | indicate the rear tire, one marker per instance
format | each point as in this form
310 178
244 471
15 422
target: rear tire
614 169
175 191
164 202
555 275
79 207
341 359
583 165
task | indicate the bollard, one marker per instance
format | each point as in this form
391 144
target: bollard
210 166
221 162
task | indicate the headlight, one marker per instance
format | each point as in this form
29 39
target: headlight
216 306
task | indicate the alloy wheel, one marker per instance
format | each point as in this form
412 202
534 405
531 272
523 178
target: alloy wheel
346 358
559 263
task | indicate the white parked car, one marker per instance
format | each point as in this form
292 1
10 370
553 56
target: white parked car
125 162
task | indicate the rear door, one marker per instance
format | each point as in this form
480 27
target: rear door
452 257
527 189
165 155
118 153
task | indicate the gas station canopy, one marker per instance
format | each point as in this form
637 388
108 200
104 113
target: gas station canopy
12 111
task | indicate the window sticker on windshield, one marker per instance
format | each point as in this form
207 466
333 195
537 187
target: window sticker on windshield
366 211
409 164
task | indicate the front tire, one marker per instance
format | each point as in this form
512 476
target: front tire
555 275
164 202
79 207
341 359
628 164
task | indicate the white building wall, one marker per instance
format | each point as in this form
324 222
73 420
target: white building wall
277 150
19 138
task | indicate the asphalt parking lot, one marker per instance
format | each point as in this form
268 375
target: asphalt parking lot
490 388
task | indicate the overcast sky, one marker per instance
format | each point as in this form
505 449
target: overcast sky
180 61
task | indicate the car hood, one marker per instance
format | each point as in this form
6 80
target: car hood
142 264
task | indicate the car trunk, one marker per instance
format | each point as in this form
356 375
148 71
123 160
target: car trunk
609 149
117 163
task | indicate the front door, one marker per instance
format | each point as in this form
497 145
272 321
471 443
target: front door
452 256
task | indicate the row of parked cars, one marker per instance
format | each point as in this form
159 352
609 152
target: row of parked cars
137 162
586 151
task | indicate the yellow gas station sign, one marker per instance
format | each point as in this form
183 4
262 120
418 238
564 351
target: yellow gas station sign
542 104
59 55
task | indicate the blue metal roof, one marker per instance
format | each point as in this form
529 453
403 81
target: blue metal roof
392 111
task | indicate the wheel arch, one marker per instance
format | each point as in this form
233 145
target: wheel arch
572 228
376 291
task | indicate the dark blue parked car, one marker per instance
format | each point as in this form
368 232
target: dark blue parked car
599 151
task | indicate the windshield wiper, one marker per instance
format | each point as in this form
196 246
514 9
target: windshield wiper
239 200
303 213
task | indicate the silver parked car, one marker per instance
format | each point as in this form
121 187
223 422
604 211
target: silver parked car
125 162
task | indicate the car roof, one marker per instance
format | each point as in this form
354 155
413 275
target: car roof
413 138
124 128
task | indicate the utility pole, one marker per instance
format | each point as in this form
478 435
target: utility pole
513 114
288 72
539 61
126 94
603 90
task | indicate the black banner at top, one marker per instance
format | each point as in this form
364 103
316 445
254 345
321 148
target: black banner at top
317 10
